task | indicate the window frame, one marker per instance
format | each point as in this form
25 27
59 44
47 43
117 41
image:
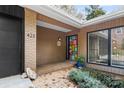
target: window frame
109 48
88 48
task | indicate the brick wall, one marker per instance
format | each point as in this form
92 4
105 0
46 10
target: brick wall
30 39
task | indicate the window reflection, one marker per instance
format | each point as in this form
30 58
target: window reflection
98 47
117 41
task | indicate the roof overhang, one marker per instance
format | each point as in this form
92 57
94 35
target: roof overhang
104 18
52 21
51 26
62 17
55 14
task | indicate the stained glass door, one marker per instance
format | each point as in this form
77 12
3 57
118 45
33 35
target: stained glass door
72 47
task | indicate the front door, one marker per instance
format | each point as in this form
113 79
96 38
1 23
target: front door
10 46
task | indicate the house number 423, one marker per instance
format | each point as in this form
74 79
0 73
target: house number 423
30 35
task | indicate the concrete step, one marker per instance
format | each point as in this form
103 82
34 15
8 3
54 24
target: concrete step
15 82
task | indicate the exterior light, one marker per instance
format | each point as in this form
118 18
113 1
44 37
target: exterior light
59 41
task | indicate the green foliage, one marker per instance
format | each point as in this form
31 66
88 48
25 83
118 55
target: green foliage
105 78
122 46
90 82
76 75
80 59
91 78
118 51
117 84
84 80
94 11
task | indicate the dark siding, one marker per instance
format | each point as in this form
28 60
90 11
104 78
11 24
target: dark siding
13 10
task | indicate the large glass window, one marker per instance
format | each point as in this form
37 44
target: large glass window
98 47
100 52
117 46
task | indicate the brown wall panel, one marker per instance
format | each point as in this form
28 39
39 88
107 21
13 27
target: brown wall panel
47 49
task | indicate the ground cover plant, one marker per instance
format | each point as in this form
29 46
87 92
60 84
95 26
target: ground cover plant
83 80
91 78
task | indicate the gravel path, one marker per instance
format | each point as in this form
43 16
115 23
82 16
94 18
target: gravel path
56 79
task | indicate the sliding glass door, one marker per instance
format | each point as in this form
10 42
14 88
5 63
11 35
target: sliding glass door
117 46
98 47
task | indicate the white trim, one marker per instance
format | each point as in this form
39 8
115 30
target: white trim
51 26
55 14
65 18
104 18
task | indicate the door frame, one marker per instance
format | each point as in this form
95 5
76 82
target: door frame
67 45
22 51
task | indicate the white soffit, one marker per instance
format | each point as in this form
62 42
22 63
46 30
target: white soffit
55 14
58 15
104 18
50 26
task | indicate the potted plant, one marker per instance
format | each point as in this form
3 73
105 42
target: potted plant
80 62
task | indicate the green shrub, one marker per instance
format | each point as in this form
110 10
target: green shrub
117 84
91 78
90 82
105 78
84 80
76 75
80 59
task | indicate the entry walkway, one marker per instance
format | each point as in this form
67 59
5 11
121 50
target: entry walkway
43 69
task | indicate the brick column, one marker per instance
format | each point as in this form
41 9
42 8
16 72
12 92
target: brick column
30 39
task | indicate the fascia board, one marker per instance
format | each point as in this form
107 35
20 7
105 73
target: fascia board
104 18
